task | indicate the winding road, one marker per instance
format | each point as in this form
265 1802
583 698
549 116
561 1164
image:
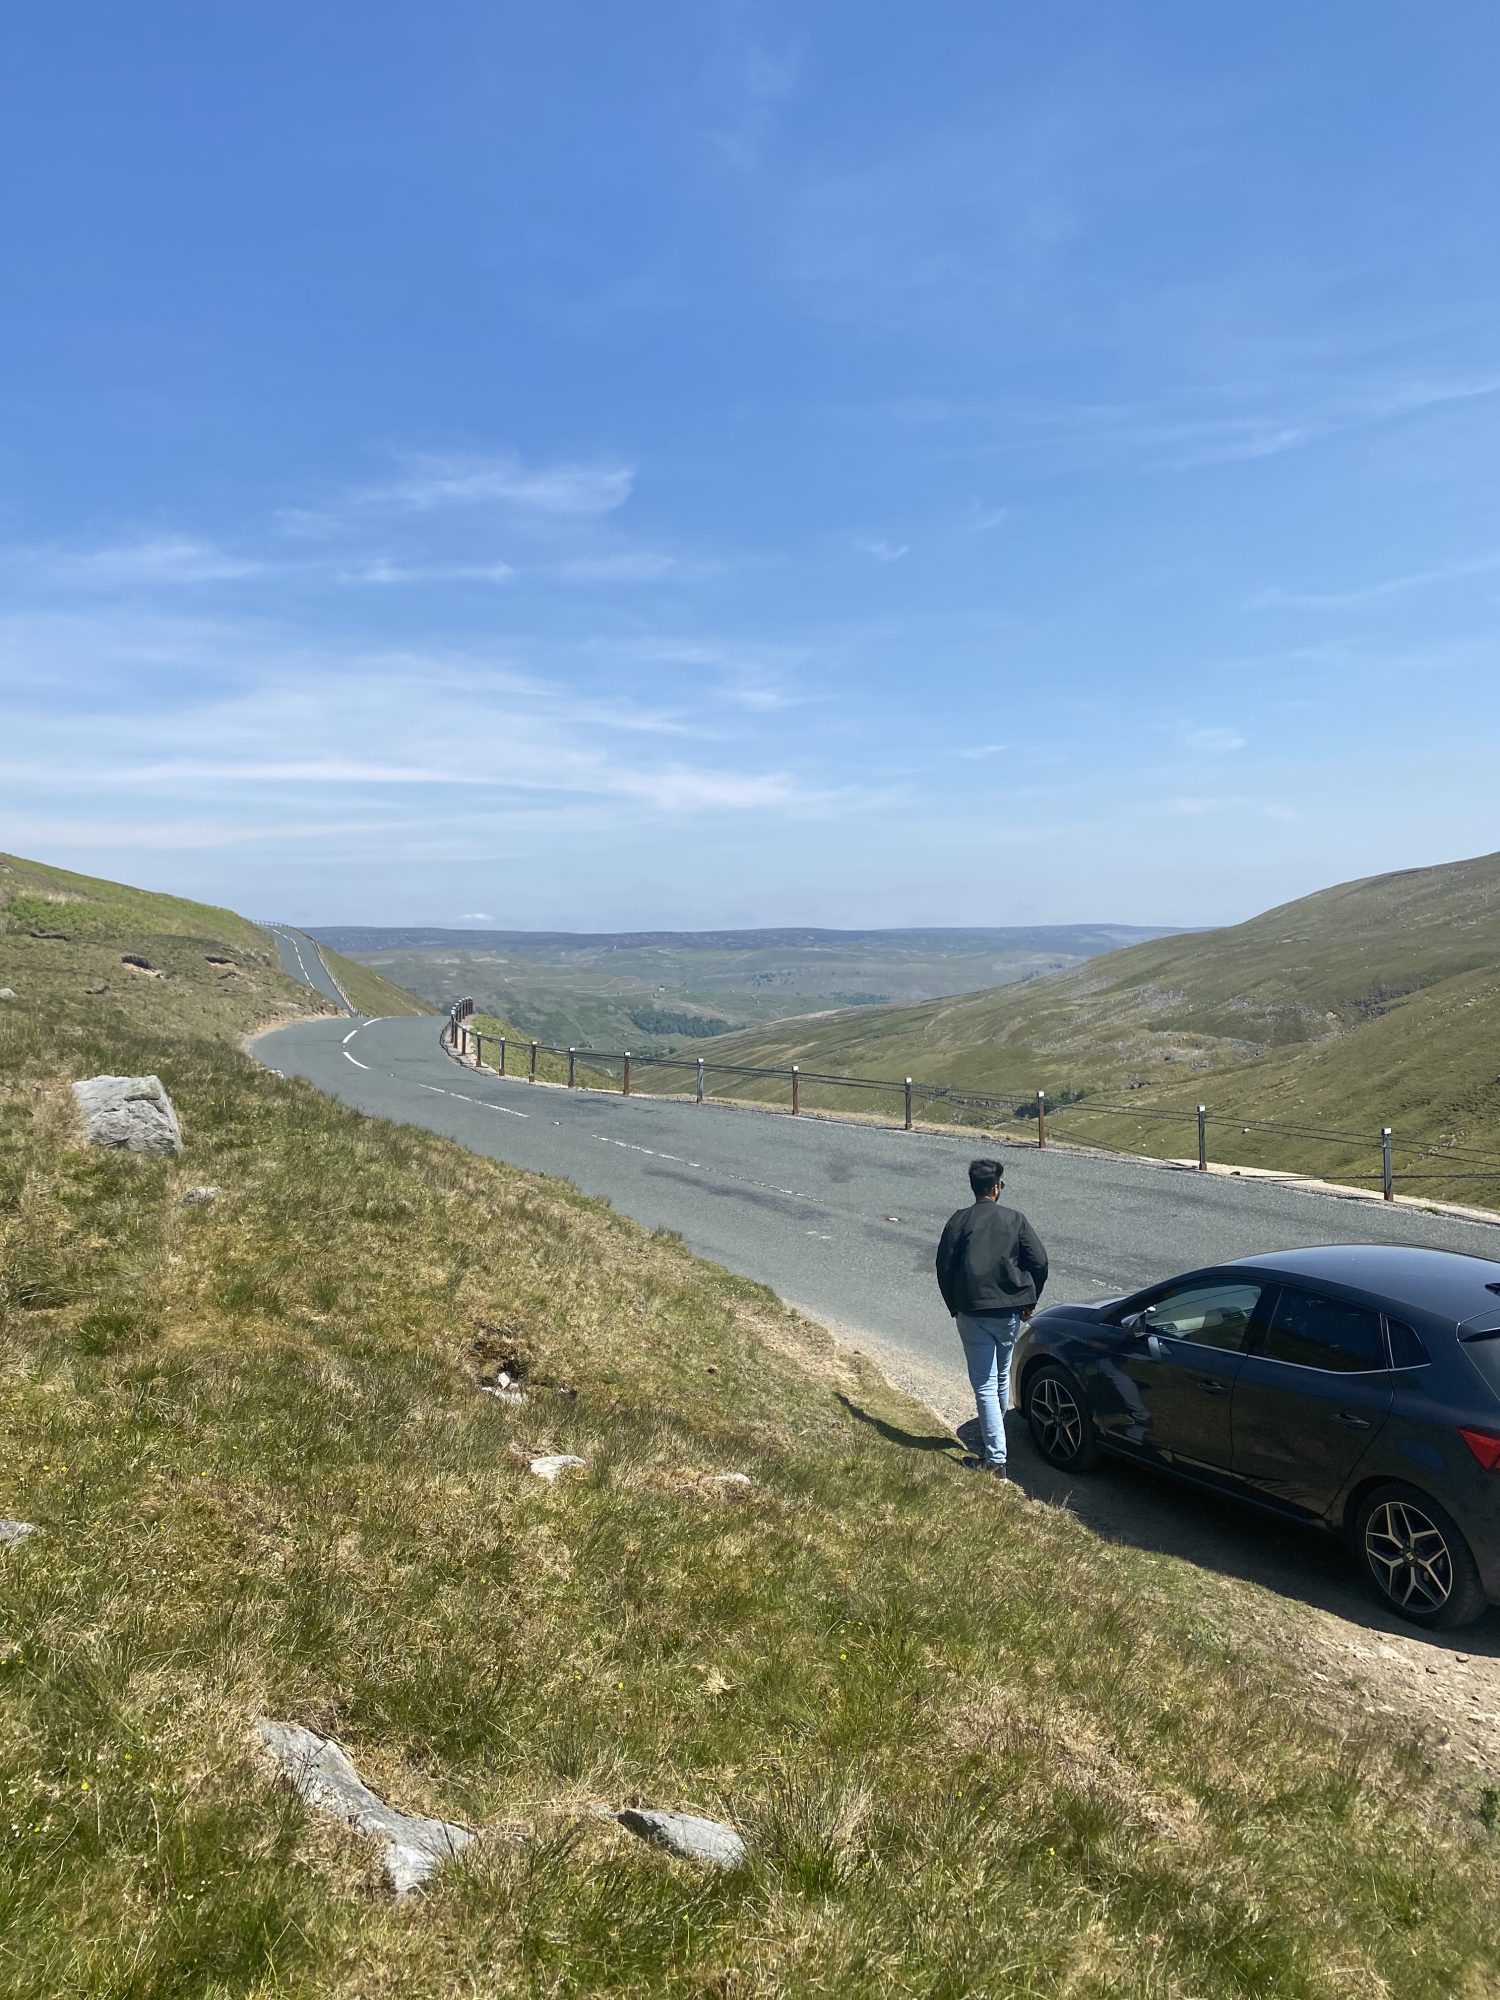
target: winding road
838 1218
841 1221
301 959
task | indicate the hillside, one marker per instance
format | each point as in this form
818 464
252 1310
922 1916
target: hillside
658 990
249 1433
368 991
1376 1002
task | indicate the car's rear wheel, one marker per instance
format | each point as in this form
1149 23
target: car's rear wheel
1415 1556
1058 1418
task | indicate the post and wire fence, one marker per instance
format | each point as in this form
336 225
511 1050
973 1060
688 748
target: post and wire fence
945 1105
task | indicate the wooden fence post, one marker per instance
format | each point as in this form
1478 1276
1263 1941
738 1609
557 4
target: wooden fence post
1041 1118
796 1088
1203 1138
908 1104
531 1072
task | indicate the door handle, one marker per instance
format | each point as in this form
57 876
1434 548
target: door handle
1212 1386
1352 1420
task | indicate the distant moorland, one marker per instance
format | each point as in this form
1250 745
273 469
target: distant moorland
659 989
1373 1003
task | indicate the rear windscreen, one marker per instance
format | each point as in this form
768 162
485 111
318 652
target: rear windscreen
1481 1342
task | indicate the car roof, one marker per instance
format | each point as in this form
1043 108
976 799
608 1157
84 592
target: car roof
1450 1283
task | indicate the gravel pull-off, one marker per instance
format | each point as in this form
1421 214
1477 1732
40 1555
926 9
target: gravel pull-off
133 1113
688 1837
321 1774
553 1465
16 1531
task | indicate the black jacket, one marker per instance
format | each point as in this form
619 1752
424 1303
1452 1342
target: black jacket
990 1260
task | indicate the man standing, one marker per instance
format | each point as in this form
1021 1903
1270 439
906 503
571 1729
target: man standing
991 1268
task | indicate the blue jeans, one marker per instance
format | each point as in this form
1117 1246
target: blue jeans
989 1341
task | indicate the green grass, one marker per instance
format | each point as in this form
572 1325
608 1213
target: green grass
667 991
370 992
973 1749
1375 1003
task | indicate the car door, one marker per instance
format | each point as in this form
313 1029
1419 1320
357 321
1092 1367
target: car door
1167 1390
1312 1394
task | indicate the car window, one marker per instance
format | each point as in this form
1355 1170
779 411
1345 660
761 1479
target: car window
1316 1332
1213 1313
1407 1350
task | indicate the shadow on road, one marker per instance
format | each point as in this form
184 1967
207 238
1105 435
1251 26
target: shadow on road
1124 1502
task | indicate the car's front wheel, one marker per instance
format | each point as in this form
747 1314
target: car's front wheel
1414 1554
1058 1418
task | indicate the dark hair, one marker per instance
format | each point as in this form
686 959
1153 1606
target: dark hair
985 1176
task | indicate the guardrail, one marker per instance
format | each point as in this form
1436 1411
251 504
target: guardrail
1023 1106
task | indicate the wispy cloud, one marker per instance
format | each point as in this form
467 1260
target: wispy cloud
1360 596
476 917
138 563
1211 741
883 551
383 571
566 490
975 751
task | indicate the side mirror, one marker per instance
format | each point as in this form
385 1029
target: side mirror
1137 1322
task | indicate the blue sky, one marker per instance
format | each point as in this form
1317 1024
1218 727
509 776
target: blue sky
714 463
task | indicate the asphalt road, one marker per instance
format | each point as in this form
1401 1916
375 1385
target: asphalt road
301 959
840 1219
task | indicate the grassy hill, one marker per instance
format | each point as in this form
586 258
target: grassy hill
656 990
973 1749
368 991
1377 1002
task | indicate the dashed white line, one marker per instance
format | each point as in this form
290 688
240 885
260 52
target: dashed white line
483 1102
355 1060
349 1038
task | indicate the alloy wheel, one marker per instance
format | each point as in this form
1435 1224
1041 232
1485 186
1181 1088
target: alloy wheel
1409 1556
1058 1419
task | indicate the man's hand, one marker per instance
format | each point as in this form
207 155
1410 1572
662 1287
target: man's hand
1027 1311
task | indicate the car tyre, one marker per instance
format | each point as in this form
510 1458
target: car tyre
1414 1557
1057 1415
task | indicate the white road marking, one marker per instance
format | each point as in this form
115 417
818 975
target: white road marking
355 1060
350 1036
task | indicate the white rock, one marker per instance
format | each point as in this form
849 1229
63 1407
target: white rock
688 1837
321 1774
7 992
16 1531
553 1465
500 1394
130 1112
199 1197
730 1479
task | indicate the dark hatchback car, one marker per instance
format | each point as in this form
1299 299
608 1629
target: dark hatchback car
1356 1387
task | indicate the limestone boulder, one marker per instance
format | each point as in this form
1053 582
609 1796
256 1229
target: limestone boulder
687 1836
132 1114
322 1775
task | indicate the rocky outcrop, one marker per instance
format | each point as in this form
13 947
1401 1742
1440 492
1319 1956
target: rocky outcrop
688 1837
130 1113
553 1465
320 1773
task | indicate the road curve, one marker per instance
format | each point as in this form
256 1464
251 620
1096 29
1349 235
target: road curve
841 1220
302 960
838 1218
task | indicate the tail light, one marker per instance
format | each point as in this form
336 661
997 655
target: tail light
1485 1446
